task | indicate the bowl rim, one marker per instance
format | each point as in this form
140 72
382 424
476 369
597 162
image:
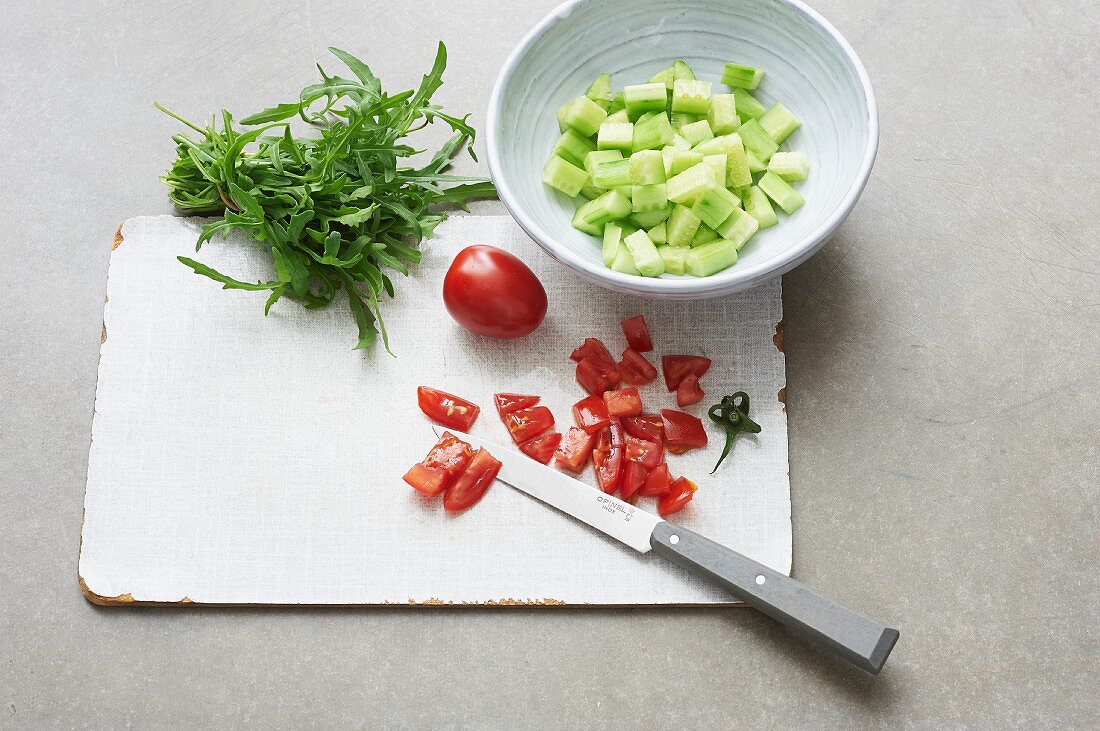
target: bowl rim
743 278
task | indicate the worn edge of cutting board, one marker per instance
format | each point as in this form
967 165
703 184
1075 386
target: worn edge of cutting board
127 600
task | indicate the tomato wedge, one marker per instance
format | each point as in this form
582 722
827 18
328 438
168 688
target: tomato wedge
472 484
624 402
649 427
637 334
426 480
541 448
574 449
689 392
634 476
447 409
678 495
592 348
509 402
675 367
656 482
590 413
607 457
683 431
635 369
450 454
528 423
597 376
647 454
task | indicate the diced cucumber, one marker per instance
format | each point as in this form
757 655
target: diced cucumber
653 133
682 119
593 159
679 143
691 96
658 234
646 198
717 164
791 166
674 258
624 262
590 191
697 132
710 258
649 219
610 206
748 106
779 124
644 253
722 145
642 98
743 77
612 240
619 116
682 225
647 167
756 139
615 136
753 162
723 114
715 206
612 174
644 116
737 171
593 229
584 115
572 148
664 76
600 91
780 191
703 234
758 206
566 177
738 228
618 104
681 71
690 184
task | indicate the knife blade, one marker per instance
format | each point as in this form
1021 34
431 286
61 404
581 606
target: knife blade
858 638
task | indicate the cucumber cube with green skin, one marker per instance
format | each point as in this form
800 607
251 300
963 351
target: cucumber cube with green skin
566 177
690 184
584 115
653 133
664 76
682 119
723 114
703 234
753 162
748 107
624 262
641 98
697 132
717 165
618 104
615 136
644 254
647 167
738 228
681 70
678 143
593 159
738 173
715 206
681 227
778 123
590 192
612 239
593 229
562 126
600 91
619 116
758 206
658 234
743 77
674 257
780 191
646 198
691 96
612 174
756 139
649 219
643 117
610 206
572 148
710 258
722 145
791 166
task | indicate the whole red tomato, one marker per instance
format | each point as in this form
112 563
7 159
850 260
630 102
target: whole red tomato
490 292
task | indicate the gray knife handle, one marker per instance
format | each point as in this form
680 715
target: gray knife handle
851 634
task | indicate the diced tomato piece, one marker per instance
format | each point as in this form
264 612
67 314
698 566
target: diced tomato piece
617 435
675 367
528 423
657 482
678 495
590 413
574 449
541 448
446 409
592 348
637 334
509 402
635 369
597 376
624 402
683 431
645 426
634 476
472 484
648 454
426 480
450 454
607 456
689 391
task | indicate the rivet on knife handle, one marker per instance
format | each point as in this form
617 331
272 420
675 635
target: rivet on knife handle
853 635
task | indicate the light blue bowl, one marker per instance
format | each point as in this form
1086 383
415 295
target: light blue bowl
808 66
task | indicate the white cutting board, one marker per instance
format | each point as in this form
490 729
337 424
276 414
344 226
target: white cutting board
241 459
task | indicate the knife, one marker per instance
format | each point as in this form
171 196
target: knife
861 640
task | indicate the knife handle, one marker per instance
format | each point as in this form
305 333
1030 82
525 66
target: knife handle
851 634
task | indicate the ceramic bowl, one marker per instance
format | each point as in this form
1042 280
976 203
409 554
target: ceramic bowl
808 66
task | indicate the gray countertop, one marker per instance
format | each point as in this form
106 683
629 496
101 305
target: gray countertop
942 358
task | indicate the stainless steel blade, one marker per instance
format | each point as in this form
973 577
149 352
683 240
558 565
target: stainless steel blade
603 512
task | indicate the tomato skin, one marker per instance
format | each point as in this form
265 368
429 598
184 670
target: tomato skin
595 376
592 348
657 482
624 402
607 457
637 334
634 476
509 402
675 367
446 409
472 484
426 480
683 431
635 369
649 427
590 413
648 454
574 449
491 292
450 454
528 423
679 494
541 448
689 391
